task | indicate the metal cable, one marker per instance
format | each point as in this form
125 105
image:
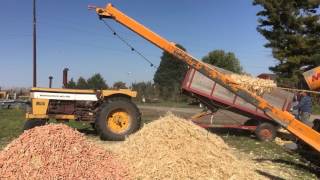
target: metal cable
129 45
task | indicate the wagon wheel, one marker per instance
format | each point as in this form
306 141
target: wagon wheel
266 131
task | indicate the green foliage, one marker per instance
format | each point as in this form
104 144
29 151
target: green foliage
71 84
94 82
97 82
146 90
223 60
119 85
82 83
292 29
169 75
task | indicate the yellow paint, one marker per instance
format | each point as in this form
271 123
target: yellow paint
309 135
128 92
52 116
59 90
3 94
312 78
118 121
63 116
33 116
199 115
39 106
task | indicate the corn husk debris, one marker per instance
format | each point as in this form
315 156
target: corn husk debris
253 84
174 148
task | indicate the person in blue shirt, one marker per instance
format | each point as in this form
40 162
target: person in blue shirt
305 108
295 111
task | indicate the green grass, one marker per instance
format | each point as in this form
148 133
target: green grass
11 124
12 121
269 151
79 125
315 109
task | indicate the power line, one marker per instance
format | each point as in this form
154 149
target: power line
127 43
79 29
87 44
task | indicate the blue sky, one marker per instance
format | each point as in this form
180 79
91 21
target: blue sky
71 36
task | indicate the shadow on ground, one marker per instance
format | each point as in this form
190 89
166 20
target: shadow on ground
88 131
232 132
309 168
268 175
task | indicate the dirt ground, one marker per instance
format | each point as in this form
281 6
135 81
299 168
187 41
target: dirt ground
221 117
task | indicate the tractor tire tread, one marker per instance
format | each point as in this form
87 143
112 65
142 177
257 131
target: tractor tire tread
29 124
106 107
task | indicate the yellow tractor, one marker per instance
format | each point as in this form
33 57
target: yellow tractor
111 112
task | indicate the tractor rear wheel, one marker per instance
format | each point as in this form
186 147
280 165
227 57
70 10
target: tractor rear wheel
117 118
31 123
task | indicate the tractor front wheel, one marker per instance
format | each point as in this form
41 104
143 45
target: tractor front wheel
31 123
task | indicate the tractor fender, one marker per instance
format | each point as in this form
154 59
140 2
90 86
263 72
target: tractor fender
120 92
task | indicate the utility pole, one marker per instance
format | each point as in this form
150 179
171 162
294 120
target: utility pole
34 46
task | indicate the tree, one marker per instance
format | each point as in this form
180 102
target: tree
119 85
94 82
170 74
71 84
97 82
146 90
82 83
140 88
223 60
292 29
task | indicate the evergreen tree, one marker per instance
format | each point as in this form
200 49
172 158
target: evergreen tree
292 28
227 61
71 84
97 82
82 83
146 90
170 74
119 85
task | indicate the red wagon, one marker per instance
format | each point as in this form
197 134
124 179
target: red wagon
244 115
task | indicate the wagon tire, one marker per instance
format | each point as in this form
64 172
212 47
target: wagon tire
266 131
